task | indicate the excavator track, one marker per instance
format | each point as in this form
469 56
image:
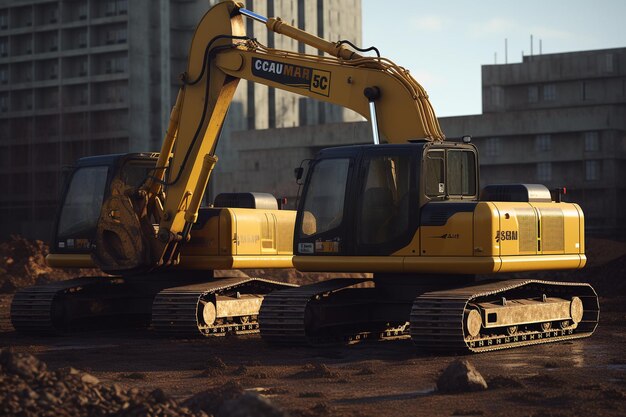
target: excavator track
226 305
439 319
31 310
290 317
88 303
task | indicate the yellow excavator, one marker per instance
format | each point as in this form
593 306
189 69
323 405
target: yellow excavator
407 208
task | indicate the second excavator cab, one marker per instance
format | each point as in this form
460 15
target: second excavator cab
90 183
366 200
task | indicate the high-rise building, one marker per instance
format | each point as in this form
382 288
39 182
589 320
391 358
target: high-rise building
88 77
77 78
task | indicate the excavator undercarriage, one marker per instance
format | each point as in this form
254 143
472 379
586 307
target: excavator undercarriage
206 306
483 316
503 314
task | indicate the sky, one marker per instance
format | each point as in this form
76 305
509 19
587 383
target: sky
443 43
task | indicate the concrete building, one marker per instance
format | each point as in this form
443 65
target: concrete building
73 75
557 119
88 77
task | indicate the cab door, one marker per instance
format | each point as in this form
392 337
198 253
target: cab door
386 212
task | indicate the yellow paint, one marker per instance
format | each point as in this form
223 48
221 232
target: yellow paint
235 262
244 232
486 223
454 238
70 260
438 264
496 237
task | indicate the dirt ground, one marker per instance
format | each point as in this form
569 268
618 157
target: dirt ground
585 377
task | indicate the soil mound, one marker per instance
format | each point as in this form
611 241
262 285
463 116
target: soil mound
23 264
29 388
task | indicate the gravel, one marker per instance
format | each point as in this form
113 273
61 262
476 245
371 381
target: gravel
29 388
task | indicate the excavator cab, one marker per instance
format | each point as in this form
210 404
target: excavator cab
366 200
88 186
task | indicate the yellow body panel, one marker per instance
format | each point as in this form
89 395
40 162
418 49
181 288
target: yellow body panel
487 221
232 238
438 264
495 237
542 262
413 248
454 237
70 260
235 262
242 238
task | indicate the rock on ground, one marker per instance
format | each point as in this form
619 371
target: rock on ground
249 405
461 376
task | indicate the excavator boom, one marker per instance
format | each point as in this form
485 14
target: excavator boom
220 55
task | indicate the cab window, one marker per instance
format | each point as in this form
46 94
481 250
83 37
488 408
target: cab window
385 199
461 173
135 172
450 173
434 170
81 207
325 196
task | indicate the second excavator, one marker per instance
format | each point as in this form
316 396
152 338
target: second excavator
407 208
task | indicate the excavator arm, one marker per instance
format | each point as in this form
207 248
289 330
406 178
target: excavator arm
220 55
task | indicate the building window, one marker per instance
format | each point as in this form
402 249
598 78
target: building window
54 70
54 43
121 64
544 171
533 94
111 94
497 96
3 48
121 35
122 6
29 101
83 68
3 76
82 11
110 8
549 92
583 90
592 170
492 147
110 37
4 21
82 39
608 63
54 15
52 99
123 94
592 141
543 142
